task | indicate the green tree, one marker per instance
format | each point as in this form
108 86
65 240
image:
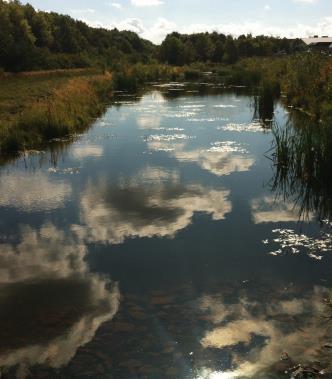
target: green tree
172 51
6 37
203 46
42 30
231 53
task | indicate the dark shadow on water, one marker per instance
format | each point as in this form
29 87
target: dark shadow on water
264 103
302 159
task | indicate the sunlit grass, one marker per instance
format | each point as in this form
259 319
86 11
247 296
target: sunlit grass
67 108
18 91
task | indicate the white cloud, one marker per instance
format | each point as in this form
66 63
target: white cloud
306 1
32 191
324 27
146 3
302 337
113 214
268 209
116 5
82 11
46 260
81 152
37 256
218 160
158 31
132 24
149 121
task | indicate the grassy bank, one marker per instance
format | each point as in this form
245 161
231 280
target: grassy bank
37 108
304 79
18 91
132 78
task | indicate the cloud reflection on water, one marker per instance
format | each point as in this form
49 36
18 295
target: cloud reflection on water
269 209
219 161
268 335
32 191
50 303
111 214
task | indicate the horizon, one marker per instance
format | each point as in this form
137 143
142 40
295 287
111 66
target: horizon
154 19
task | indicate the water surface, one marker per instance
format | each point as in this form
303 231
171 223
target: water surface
154 247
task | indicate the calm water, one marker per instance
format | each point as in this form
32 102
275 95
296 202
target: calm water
153 247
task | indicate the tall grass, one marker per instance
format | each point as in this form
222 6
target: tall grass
265 99
306 80
18 91
62 105
63 111
133 78
302 157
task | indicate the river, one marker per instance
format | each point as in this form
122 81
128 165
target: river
155 246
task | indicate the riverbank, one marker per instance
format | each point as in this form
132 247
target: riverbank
40 106
304 80
36 108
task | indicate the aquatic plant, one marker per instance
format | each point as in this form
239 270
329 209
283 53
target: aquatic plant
302 160
134 77
304 79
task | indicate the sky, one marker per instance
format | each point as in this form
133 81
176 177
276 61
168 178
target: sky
154 19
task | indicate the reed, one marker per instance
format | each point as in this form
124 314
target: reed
63 111
302 157
133 78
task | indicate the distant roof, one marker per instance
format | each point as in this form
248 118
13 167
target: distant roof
317 40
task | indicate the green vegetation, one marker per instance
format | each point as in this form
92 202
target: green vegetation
132 78
182 49
67 108
302 157
18 91
36 107
34 40
304 79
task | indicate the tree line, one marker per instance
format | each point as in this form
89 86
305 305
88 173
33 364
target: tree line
31 40
183 49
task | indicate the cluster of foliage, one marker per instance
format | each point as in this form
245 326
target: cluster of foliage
305 79
180 49
33 39
133 77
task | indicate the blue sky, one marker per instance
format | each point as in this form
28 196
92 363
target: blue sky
153 19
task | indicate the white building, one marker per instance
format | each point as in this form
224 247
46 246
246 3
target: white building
321 43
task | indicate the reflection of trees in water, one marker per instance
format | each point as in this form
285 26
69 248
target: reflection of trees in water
264 103
302 157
